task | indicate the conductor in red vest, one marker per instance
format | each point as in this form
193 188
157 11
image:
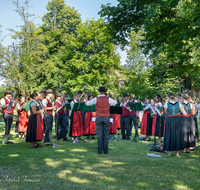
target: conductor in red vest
102 122
7 109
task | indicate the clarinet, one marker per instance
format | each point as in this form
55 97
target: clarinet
42 107
10 105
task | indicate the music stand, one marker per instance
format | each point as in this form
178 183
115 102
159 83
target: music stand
27 106
138 107
155 146
115 110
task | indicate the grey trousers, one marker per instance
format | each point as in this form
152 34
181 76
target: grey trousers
125 121
8 119
102 132
49 125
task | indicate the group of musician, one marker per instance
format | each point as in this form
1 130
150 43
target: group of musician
174 119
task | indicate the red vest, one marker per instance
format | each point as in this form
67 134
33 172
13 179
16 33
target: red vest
58 106
125 112
49 105
65 111
134 111
4 110
102 107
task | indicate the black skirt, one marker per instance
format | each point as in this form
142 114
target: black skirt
196 128
188 131
158 120
31 134
149 124
17 124
173 135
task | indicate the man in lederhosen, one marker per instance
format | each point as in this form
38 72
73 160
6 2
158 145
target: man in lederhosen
102 117
7 109
49 119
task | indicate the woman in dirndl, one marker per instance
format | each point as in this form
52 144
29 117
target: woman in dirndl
146 124
35 128
159 119
173 132
22 124
190 94
188 124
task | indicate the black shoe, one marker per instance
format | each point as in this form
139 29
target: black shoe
123 138
128 138
33 146
58 139
38 145
183 152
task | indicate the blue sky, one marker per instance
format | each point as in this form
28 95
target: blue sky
10 19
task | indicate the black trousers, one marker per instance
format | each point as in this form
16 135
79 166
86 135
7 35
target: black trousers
102 132
125 121
67 122
49 125
133 121
8 119
61 126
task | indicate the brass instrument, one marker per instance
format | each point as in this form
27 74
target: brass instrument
84 92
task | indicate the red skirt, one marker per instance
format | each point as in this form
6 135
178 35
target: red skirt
23 121
117 121
88 118
89 125
40 128
154 124
146 125
93 125
113 129
77 127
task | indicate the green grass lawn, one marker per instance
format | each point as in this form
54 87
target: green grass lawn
127 166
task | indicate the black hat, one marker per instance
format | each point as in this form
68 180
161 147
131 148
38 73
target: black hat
59 94
20 95
67 96
125 95
102 89
43 90
137 97
8 92
49 91
80 92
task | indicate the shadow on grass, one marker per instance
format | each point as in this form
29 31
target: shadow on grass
127 166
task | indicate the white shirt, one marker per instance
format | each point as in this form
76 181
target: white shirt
148 106
173 102
72 104
33 103
94 101
45 102
3 103
159 104
124 103
198 107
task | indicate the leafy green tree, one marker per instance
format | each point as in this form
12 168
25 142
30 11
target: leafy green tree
170 28
90 58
